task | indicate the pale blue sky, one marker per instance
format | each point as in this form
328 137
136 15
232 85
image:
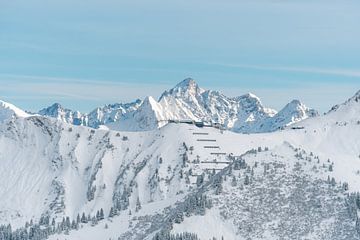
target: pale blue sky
88 53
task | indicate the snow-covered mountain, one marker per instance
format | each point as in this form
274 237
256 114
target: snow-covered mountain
299 183
244 114
111 113
148 116
293 112
187 101
99 116
66 115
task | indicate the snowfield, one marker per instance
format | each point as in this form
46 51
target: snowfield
64 181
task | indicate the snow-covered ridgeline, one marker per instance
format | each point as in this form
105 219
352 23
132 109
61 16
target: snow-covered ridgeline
184 102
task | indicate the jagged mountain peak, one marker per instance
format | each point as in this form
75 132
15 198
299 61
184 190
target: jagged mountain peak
56 105
249 102
149 100
99 116
187 83
295 102
249 99
147 116
250 95
186 88
295 105
293 112
186 100
297 110
57 111
150 104
52 110
121 105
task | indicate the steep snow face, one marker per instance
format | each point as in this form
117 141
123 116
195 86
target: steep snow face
9 111
148 116
28 151
187 89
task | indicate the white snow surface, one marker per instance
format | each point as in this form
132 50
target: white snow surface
48 166
9 111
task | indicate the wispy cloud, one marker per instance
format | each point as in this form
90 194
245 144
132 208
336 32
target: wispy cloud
311 70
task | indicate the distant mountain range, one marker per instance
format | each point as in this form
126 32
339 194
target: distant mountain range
187 101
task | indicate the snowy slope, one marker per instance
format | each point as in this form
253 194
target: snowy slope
144 178
9 111
288 196
148 116
70 169
187 101
277 194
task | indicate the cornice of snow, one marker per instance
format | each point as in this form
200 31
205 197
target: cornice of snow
9 111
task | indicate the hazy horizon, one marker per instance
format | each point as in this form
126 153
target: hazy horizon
76 102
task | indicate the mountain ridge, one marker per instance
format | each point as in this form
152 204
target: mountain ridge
188 101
